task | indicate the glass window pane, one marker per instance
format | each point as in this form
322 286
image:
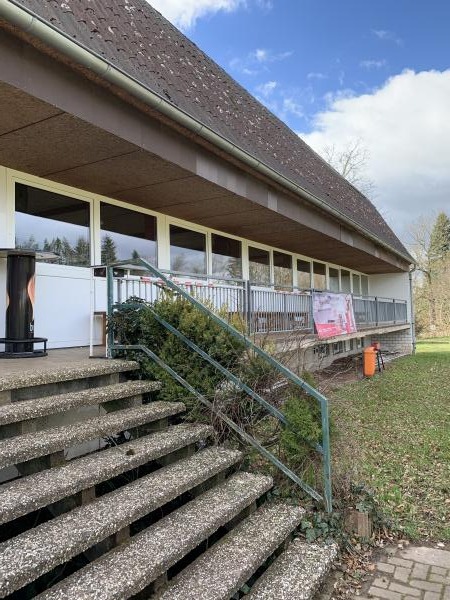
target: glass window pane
356 284
282 269
319 276
53 223
259 264
126 234
187 251
303 273
333 275
364 285
345 281
226 257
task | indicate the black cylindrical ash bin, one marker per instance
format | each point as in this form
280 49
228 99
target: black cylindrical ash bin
19 337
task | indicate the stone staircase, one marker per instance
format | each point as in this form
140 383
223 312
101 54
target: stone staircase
107 494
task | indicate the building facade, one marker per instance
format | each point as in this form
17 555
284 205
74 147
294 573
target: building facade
119 138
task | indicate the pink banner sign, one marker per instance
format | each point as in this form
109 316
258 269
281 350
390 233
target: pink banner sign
333 314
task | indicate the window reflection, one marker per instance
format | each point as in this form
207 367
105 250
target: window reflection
303 274
333 275
126 234
52 223
319 276
226 257
364 285
356 284
282 269
259 265
187 251
345 281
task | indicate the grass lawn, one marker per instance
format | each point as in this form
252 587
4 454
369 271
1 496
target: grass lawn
393 434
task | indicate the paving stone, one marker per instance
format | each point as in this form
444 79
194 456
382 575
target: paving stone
381 582
403 589
385 567
439 579
387 594
402 574
428 556
439 571
420 571
426 585
408 564
431 596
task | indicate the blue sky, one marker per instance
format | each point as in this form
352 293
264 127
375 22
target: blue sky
312 48
336 71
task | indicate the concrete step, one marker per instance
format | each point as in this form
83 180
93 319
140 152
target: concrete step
54 378
48 405
225 567
128 569
25 495
32 445
296 574
35 552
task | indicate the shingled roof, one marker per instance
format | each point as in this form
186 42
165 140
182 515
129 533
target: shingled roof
133 36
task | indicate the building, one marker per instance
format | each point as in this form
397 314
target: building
119 137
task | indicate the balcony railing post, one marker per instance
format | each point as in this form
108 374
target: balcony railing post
248 304
376 311
395 315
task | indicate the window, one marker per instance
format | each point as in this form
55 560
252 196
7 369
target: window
303 274
345 281
126 234
187 251
226 257
319 276
282 269
53 223
333 276
259 265
364 285
356 284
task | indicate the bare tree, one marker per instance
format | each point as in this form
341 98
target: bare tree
351 162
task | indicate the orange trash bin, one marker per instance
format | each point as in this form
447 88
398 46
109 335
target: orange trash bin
369 361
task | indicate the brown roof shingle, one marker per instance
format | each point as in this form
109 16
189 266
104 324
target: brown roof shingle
134 37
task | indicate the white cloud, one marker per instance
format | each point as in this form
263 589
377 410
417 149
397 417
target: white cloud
372 64
316 75
389 36
266 89
405 127
184 13
258 61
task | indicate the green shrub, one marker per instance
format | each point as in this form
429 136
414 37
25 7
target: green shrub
135 324
304 415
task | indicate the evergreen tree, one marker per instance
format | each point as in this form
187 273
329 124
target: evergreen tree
440 238
135 254
81 252
109 254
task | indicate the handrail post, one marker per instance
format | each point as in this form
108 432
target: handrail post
395 314
376 311
326 457
109 310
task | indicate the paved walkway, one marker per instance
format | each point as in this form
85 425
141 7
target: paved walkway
412 573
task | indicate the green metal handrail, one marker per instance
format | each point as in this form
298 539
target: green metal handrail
324 449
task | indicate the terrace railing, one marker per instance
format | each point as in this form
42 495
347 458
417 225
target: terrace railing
263 309
159 280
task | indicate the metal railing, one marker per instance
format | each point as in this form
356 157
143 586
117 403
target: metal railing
371 311
263 309
179 291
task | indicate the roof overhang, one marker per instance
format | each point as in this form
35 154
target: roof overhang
158 170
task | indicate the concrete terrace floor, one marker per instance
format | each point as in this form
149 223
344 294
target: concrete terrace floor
63 358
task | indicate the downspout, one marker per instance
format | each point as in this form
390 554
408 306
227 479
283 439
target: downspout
413 316
34 25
